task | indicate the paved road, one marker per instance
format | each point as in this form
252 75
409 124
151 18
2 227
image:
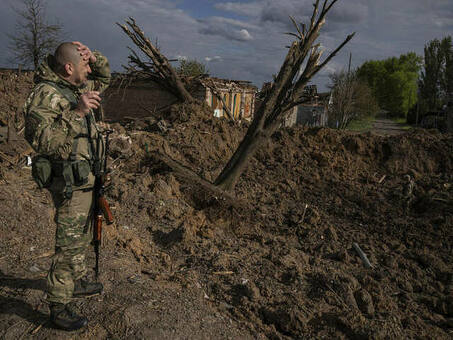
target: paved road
386 127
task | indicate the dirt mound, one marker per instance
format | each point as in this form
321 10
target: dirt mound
14 89
280 262
283 263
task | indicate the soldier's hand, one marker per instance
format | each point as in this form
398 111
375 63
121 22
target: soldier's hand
87 101
85 52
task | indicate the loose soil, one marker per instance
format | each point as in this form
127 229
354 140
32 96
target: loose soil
277 263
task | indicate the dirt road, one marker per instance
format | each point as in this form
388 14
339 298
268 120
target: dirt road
387 127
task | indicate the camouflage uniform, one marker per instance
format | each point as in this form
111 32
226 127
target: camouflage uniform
53 129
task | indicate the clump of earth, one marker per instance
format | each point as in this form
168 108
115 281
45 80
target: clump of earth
276 263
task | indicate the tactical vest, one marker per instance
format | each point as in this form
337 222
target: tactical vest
75 172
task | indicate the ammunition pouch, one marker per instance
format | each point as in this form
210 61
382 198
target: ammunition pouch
74 173
80 170
41 170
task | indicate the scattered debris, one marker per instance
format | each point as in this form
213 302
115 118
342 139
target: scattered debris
362 255
35 269
36 330
224 273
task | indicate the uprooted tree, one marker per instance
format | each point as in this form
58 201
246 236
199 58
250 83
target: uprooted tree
159 69
302 62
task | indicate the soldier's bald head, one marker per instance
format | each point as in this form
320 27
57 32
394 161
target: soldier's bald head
67 53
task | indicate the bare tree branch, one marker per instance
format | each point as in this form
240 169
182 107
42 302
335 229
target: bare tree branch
34 38
159 69
301 34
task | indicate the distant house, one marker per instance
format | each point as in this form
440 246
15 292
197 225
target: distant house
313 113
140 98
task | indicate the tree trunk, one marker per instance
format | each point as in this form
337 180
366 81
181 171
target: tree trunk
237 163
256 136
286 92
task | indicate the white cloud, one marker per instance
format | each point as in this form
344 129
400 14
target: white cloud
213 59
228 21
226 28
245 35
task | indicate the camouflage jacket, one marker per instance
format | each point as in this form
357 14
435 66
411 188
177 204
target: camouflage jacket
51 126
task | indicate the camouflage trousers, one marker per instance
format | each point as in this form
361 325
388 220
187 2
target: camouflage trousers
73 237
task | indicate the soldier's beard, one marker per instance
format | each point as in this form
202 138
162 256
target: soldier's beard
80 81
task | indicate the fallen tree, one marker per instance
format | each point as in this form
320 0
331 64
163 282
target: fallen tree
158 69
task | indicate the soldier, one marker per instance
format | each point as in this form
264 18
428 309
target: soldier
408 192
61 128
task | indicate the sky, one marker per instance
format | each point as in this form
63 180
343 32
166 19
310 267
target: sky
244 39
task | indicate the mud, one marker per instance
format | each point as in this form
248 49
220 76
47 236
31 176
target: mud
179 263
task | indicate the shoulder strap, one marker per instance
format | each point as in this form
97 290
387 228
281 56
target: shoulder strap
65 91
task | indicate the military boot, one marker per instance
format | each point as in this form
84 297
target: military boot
84 288
63 317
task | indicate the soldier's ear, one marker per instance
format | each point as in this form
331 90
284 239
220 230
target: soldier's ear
69 68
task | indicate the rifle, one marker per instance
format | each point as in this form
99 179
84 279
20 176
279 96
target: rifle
101 206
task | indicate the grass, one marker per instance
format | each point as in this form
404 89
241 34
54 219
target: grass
401 121
361 124
364 124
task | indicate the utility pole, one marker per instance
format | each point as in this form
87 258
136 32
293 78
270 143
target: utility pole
349 67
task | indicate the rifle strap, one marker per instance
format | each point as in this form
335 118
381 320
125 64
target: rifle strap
96 166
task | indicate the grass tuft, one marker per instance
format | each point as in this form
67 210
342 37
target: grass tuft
361 124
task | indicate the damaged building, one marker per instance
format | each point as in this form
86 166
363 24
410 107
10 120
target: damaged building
235 96
313 113
227 98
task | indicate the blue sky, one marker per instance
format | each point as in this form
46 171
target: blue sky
245 39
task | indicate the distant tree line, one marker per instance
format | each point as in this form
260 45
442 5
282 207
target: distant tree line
406 86
436 79
393 82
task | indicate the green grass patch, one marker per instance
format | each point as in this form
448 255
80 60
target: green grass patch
401 121
361 124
